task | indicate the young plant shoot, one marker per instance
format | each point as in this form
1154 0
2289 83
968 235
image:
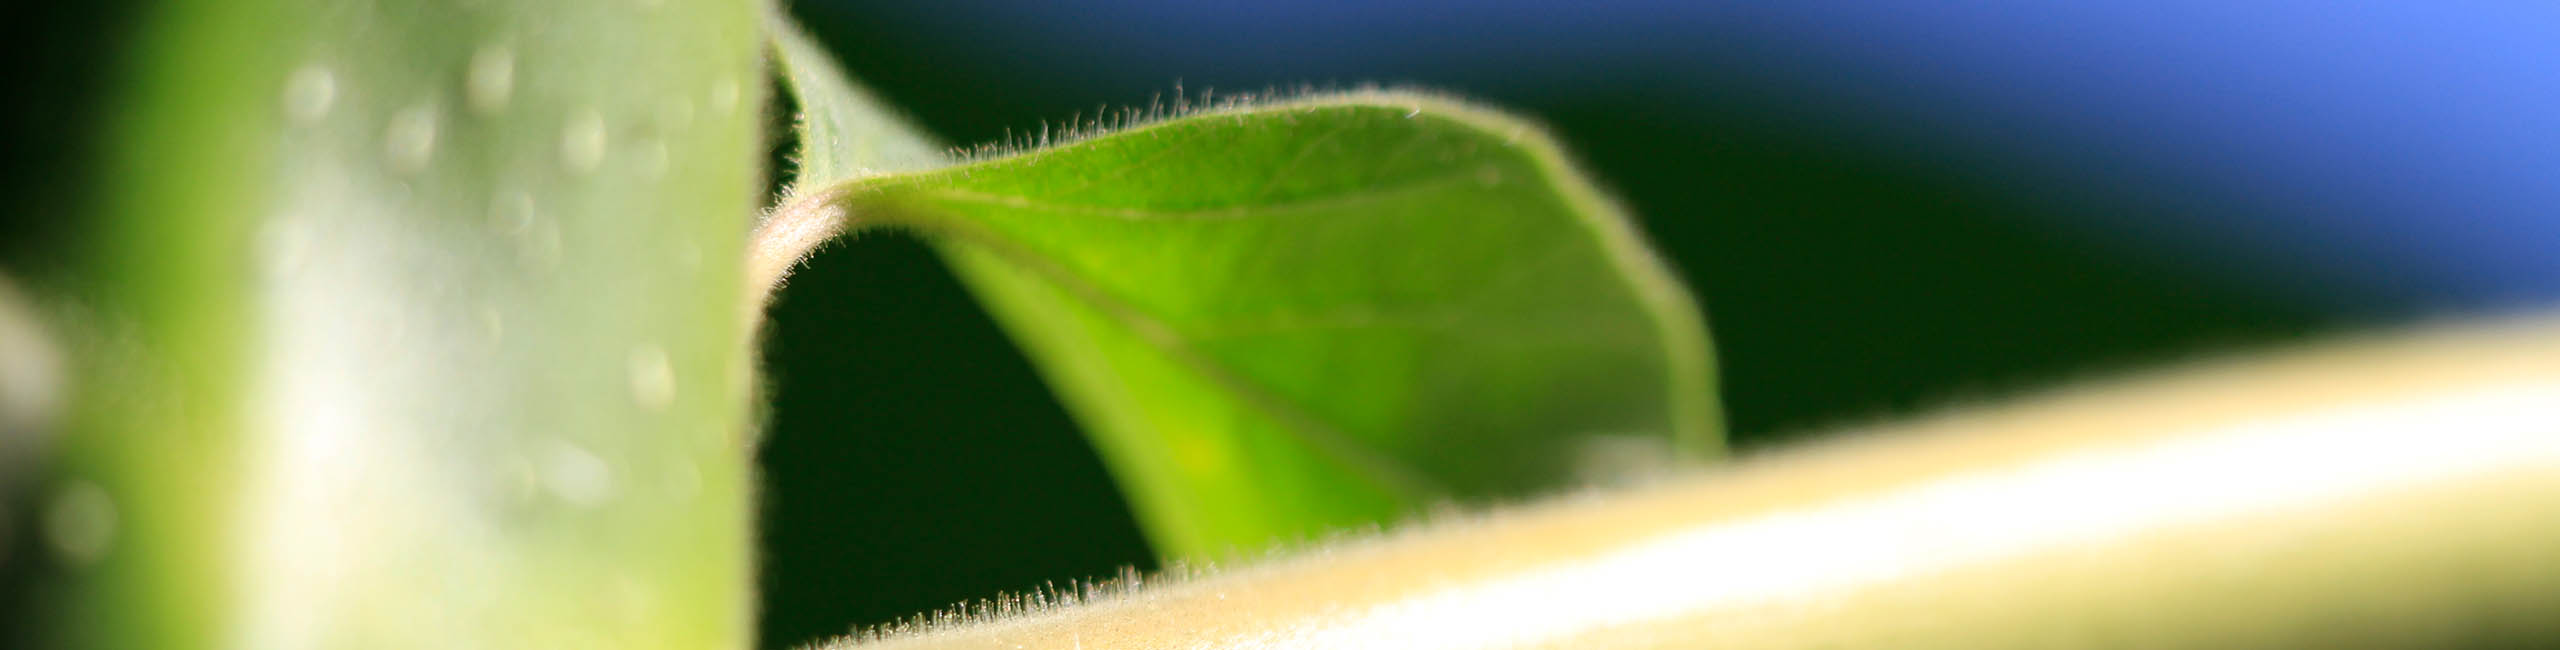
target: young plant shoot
432 324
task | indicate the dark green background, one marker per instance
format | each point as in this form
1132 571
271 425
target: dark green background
915 460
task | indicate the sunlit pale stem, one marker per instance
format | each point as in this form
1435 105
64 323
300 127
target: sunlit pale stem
2378 494
794 230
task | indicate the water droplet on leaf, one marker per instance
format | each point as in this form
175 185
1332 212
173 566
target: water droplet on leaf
309 92
574 474
410 140
724 95
653 378
491 79
80 523
582 142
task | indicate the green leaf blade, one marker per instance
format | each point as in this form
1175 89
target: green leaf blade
844 130
1286 319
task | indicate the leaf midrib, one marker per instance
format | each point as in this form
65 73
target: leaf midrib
1309 429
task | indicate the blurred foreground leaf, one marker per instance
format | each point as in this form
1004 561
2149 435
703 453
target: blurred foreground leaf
1280 320
414 325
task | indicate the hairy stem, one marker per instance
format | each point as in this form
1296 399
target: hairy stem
795 229
2391 494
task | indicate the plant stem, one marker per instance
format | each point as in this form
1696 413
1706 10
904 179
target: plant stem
2376 494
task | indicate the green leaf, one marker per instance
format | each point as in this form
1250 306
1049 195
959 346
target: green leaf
416 324
1282 319
843 130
